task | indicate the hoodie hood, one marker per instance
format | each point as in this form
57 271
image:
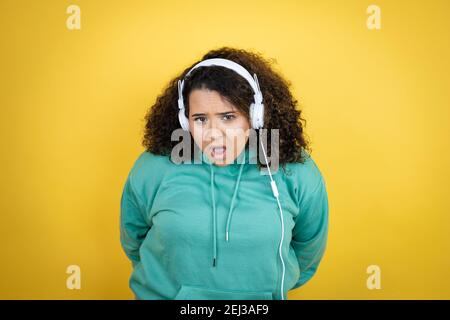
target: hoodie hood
246 158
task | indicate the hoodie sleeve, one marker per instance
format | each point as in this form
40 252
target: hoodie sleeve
310 232
133 225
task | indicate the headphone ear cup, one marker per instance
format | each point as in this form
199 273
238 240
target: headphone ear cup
252 117
184 122
261 116
257 115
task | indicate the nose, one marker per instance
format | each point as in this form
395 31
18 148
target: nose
213 131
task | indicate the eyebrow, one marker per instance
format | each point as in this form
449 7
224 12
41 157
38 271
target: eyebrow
218 113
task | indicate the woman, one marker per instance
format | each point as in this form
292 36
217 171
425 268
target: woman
206 221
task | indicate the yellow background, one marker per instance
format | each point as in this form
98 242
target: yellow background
377 109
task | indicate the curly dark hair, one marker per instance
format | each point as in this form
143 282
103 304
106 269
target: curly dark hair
280 110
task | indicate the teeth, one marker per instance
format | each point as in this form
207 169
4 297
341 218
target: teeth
218 150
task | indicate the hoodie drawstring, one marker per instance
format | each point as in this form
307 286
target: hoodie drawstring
230 211
214 217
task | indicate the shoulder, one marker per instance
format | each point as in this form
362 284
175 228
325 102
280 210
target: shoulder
149 169
306 177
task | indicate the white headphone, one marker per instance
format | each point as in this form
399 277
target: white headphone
256 108
256 119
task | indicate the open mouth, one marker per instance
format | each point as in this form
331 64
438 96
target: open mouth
218 152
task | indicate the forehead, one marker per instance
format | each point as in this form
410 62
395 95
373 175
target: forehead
205 100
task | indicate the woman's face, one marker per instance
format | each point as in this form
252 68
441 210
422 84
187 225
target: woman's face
219 129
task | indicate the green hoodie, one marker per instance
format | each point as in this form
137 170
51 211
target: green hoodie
202 231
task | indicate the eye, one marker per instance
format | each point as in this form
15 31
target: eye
200 120
228 117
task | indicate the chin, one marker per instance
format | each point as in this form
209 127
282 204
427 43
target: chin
220 162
